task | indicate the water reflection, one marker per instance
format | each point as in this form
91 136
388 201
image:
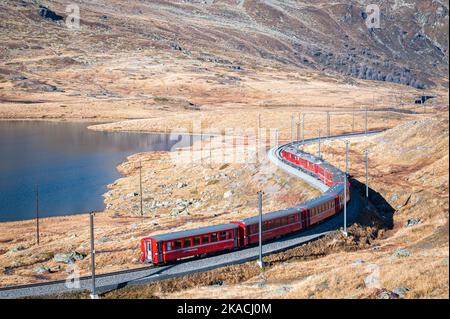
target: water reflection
71 164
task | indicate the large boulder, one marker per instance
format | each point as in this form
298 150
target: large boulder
68 258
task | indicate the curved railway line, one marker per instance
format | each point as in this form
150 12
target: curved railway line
120 279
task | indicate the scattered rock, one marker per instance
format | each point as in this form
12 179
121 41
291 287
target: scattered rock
103 239
55 269
37 86
357 262
372 281
129 195
228 194
182 185
322 286
18 248
41 270
386 294
283 290
261 284
401 252
217 283
401 291
413 221
394 197
8 270
18 78
68 258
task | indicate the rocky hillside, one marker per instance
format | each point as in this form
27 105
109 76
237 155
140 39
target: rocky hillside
411 47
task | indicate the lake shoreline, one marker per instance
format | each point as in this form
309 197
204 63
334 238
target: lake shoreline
122 144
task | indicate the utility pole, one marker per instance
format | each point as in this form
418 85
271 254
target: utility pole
345 187
210 151
353 120
140 186
303 128
292 128
93 291
298 132
37 214
260 260
367 176
276 137
318 134
365 130
328 124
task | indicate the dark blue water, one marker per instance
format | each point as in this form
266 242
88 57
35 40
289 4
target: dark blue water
70 164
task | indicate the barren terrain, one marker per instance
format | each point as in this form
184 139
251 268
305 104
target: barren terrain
186 66
410 258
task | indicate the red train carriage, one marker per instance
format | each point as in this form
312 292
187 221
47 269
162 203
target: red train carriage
274 224
320 208
323 170
164 248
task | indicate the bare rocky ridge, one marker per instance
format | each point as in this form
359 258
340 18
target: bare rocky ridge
410 48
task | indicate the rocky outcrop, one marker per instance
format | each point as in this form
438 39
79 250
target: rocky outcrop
48 14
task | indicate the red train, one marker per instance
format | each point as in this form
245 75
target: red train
169 247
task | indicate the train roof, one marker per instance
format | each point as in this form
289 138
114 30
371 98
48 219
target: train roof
272 215
316 201
193 232
336 189
338 175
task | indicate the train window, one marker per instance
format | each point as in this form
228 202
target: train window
213 237
187 243
222 235
177 244
205 239
168 246
196 241
291 219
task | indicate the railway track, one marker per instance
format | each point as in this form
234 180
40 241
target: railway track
120 279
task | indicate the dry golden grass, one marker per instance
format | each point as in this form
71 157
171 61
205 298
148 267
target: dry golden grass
339 274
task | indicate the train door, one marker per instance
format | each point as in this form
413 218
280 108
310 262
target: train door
305 219
160 252
235 237
149 251
308 218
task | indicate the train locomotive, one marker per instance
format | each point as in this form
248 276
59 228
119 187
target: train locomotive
170 247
